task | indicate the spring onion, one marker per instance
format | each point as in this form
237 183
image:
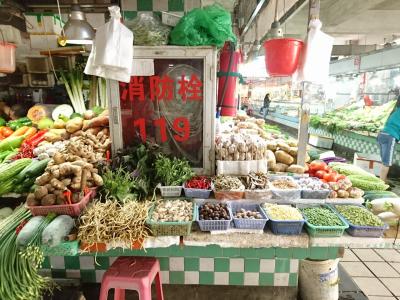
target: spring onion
73 82
19 273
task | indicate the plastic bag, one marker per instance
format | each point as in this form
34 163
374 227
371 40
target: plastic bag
210 25
112 52
148 30
316 57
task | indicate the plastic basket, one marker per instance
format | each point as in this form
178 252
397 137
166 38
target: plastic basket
64 249
258 194
170 191
196 193
249 223
363 231
315 194
65 209
287 227
214 225
229 195
326 231
170 228
284 194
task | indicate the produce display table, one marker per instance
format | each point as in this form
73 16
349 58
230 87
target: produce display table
218 259
357 142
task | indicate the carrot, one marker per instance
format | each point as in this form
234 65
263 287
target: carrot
20 131
30 132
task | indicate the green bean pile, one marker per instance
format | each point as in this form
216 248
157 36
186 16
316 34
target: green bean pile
319 216
359 216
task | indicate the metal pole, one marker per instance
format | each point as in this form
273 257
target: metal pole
304 118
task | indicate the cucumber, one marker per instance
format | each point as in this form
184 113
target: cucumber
372 195
34 169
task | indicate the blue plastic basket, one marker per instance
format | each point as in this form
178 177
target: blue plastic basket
197 193
213 225
240 223
288 227
362 231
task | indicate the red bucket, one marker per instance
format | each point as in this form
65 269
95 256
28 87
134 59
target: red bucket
282 56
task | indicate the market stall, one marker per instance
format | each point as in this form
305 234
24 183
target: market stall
144 165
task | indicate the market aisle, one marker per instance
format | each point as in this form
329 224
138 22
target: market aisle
375 271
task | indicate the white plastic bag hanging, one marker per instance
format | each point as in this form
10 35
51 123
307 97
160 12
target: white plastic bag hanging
112 52
314 65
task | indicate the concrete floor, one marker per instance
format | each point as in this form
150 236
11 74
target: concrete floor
71 290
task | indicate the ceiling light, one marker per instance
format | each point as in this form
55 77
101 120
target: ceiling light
77 30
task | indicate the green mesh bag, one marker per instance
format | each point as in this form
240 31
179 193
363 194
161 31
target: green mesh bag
210 25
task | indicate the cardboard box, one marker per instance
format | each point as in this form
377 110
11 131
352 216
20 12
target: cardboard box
368 162
320 141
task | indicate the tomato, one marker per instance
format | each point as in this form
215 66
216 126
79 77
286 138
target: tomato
330 177
341 176
318 165
320 174
324 181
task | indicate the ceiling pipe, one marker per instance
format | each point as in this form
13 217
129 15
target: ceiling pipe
258 8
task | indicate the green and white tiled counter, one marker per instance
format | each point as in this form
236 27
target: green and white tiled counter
357 142
219 259
235 259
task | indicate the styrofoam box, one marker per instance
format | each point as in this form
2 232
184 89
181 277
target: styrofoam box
10 34
320 141
244 167
40 23
369 162
43 41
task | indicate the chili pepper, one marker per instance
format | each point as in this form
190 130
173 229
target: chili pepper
20 226
199 182
36 139
25 151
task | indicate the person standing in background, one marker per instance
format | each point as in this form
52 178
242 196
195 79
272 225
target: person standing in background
265 106
389 136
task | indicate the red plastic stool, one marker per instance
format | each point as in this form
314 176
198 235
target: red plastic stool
132 273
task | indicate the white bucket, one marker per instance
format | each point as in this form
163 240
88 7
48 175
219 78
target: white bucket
319 279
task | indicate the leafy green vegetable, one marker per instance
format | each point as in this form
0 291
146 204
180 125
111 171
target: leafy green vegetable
353 118
172 172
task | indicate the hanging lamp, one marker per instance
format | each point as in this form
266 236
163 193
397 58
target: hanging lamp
77 30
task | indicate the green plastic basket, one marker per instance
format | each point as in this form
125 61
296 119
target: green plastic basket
326 231
64 249
170 228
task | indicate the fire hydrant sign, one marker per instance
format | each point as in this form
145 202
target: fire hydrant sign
166 109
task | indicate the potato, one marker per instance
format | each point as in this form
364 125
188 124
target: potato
296 169
272 145
74 125
279 167
308 158
59 124
271 161
283 146
292 143
48 200
283 157
293 151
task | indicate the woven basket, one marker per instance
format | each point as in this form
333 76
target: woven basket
170 228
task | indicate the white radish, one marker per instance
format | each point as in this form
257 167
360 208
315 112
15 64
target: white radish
379 205
389 218
395 205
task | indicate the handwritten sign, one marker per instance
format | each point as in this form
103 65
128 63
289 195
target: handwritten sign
162 88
